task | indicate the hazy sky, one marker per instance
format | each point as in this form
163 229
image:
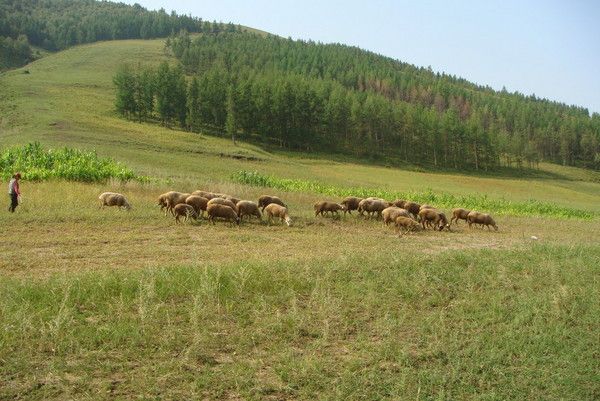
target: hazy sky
550 48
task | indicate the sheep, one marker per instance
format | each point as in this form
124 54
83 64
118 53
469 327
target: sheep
399 203
413 208
199 203
222 211
351 203
222 201
459 213
113 199
276 210
324 206
247 208
162 200
432 216
481 218
233 199
390 213
266 200
183 209
205 194
170 199
406 223
372 206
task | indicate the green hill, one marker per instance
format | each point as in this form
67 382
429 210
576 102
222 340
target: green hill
67 99
108 304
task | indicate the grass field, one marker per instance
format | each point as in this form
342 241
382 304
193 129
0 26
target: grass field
107 304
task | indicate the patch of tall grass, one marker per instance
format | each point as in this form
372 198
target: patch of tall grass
482 202
36 163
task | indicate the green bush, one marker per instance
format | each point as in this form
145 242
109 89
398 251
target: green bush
480 202
37 164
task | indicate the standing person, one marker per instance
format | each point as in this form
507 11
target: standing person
14 192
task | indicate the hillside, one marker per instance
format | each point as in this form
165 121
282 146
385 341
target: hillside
109 304
67 99
333 98
29 25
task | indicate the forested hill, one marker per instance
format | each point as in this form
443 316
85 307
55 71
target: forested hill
311 96
58 24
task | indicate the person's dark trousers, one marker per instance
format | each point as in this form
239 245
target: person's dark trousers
14 202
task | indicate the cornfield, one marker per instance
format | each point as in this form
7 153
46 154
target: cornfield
38 164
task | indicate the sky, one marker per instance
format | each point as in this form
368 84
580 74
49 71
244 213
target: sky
548 48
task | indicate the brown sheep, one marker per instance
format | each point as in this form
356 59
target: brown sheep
391 213
266 200
275 210
399 203
351 203
372 206
459 214
324 207
222 211
222 201
413 208
162 200
205 194
481 218
432 216
199 203
407 223
184 210
113 199
173 199
233 199
247 208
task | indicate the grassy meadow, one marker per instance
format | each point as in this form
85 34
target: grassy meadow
109 304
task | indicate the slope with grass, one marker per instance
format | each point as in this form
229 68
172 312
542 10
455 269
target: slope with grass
115 305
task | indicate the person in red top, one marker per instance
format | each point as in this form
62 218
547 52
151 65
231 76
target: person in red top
14 192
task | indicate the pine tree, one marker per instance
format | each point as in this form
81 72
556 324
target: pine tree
230 122
124 80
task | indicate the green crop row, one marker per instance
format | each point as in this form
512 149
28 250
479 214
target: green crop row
38 164
439 199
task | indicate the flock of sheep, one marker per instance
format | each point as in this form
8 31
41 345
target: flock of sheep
407 216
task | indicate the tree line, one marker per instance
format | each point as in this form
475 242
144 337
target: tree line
57 24
335 98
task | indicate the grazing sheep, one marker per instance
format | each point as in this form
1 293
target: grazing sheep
275 210
403 222
233 199
205 194
247 208
351 203
459 214
199 203
172 199
324 206
162 200
391 213
222 211
266 200
113 199
372 206
483 219
399 203
432 216
413 208
222 201
185 210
